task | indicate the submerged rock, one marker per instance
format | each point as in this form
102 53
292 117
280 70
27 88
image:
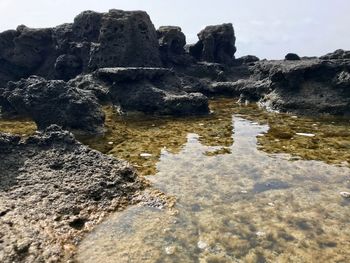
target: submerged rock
55 102
52 190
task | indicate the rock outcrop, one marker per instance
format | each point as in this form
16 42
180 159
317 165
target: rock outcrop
94 40
338 54
309 87
52 190
172 43
54 102
151 90
216 44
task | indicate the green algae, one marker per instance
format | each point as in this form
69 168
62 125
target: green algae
241 205
18 126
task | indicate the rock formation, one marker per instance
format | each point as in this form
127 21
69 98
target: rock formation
172 46
54 102
151 90
338 54
53 189
216 44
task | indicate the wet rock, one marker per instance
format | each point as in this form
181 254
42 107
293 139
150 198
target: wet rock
216 44
171 45
270 185
48 209
54 102
151 90
292 56
338 54
345 194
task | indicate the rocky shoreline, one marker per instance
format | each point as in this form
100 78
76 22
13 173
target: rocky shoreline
54 189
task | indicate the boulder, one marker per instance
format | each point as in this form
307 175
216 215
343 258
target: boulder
292 56
52 191
55 102
216 44
172 43
151 90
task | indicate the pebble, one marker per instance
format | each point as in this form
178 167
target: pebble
260 234
110 143
201 244
345 194
305 134
244 192
271 204
170 250
145 155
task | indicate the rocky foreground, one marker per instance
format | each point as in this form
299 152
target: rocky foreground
52 188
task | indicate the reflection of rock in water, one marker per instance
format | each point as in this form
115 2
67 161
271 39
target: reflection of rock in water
226 212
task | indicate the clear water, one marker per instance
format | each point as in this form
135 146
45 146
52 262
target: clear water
249 187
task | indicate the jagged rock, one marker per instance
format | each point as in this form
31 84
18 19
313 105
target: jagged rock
292 56
89 83
216 44
151 90
171 45
94 40
309 87
55 102
126 39
338 54
52 190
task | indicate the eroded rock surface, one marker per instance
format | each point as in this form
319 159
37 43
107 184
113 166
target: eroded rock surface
115 38
216 44
309 87
54 102
52 190
151 90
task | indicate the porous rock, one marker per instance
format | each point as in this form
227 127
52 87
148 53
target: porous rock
52 190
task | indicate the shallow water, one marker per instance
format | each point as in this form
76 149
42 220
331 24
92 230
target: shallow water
250 187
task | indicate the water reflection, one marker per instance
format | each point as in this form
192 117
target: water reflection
240 205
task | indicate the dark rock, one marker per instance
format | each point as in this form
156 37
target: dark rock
151 90
292 56
52 190
216 44
338 54
171 45
308 87
68 66
55 102
126 39
246 59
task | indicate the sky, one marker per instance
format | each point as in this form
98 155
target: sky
265 28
